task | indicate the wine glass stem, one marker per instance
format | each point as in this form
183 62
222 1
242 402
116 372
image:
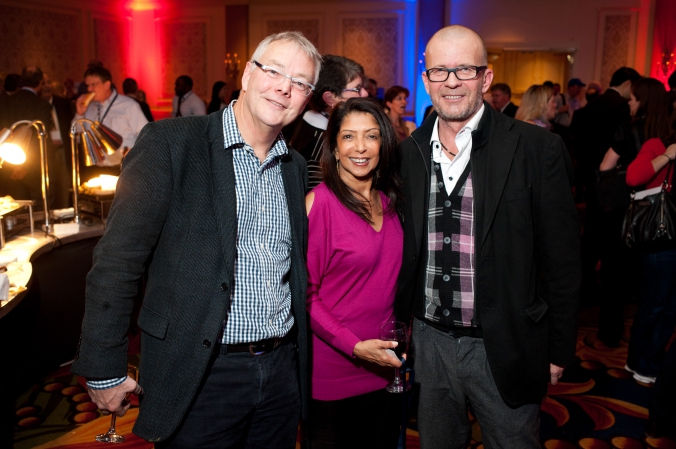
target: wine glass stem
113 418
397 378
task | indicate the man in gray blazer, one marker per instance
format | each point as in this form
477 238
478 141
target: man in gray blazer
213 208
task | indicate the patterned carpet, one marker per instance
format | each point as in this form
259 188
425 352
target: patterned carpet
596 406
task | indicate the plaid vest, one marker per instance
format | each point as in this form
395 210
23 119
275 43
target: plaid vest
449 276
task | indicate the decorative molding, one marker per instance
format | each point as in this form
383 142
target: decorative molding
615 42
374 42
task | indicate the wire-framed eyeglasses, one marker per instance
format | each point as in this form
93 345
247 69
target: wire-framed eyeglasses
465 73
297 84
356 90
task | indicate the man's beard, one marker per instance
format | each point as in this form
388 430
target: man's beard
463 115
467 112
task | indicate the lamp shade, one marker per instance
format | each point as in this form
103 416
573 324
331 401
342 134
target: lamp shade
13 144
110 140
91 153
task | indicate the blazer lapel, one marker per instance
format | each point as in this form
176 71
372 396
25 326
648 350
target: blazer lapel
493 148
295 198
223 188
420 178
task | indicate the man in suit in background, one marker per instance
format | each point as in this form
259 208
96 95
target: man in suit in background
593 129
213 207
59 153
186 102
501 96
491 256
130 89
23 182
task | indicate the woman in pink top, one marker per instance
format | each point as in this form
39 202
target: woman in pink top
355 246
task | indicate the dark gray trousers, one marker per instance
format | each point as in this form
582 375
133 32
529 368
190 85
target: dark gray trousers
453 373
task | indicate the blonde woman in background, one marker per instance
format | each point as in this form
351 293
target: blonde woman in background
538 106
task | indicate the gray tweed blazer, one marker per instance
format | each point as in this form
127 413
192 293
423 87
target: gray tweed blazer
175 213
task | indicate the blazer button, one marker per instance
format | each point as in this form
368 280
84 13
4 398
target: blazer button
224 286
206 343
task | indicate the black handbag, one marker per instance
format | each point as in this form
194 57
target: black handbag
649 222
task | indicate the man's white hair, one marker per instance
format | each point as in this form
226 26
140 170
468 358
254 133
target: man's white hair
297 38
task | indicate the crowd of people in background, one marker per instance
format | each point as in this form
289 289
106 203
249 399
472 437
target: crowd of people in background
347 130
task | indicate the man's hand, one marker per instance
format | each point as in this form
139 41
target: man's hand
555 373
82 102
116 399
375 351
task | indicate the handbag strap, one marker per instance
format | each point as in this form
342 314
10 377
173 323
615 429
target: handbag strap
666 184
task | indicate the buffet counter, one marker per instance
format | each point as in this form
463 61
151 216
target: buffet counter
27 247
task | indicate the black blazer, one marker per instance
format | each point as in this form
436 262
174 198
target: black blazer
593 128
65 114
527 257
26 105
175 212
510 110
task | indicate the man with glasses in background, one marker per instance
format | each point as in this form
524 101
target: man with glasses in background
212 208
339 79
491 266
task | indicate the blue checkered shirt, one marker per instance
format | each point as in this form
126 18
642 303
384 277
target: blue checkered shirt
260 304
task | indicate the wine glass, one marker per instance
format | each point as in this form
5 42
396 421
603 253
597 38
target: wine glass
396 331
112 436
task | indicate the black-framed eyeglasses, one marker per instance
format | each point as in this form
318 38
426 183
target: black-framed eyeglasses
356 90
466 73
297 84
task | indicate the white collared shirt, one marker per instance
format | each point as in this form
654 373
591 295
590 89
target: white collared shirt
55 133
191 104
452 169
124 117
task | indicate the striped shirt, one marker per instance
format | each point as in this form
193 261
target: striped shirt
260 304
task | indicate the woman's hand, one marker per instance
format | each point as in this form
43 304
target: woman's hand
375 351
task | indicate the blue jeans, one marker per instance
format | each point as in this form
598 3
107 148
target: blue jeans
655 318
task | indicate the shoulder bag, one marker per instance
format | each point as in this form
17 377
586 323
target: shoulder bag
649 222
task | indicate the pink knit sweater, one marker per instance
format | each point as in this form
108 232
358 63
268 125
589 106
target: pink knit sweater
352 277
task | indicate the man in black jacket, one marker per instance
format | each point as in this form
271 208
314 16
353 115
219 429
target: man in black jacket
23 182
501 99
490 270
214 208
593 128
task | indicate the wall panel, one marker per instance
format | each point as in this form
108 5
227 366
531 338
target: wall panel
184 53
374 43
309 28
111 41
615 44
47 39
